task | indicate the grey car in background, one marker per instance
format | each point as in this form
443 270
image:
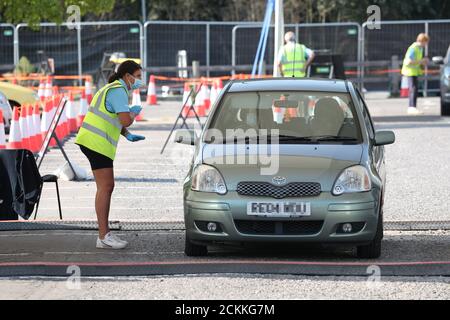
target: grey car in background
444 62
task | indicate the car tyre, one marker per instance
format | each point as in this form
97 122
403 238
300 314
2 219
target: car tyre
194 250
445 108
373 249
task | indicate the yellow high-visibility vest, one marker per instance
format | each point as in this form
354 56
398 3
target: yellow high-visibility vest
294 62
413 70
101 129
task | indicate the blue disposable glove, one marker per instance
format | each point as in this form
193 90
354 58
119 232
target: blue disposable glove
136 109
134 137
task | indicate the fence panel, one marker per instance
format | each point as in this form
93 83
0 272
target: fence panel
98 38
165 39
336 38
394 38
6 47
57 42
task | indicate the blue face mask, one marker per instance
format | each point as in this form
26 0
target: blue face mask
137 83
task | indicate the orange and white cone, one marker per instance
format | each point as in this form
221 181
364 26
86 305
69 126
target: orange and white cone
28 109
15 137
136 101
214 93
151 94
41 91
2 132
88 88
24 131
71 114
199 104
83 109
46 118
187 104
206 96
48 88
404 88
37 124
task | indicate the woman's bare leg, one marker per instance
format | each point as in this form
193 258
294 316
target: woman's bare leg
104 179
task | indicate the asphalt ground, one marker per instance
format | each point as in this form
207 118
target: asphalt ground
148 188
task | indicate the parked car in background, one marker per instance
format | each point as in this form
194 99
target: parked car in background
7 112
18 95
444 62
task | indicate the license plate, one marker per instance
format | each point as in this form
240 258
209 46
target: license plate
279 209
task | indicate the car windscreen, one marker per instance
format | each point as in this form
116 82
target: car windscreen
292 116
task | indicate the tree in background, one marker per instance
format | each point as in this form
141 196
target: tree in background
35 11
295 11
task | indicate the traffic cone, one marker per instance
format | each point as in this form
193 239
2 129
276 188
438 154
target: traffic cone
214 92
136 101
24 131
30 126
46 119
37 124
404 89
62 127
48 88
14 81
41 91
88 89
83 109
15 137
151 94
205 95
186 103
2 131
199 104
71 114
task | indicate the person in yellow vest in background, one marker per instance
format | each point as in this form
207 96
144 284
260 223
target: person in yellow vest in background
107 118
294 58
413 68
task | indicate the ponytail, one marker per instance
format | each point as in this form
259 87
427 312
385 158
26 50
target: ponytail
113 77
128 66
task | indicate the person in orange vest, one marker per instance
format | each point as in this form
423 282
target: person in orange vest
413 67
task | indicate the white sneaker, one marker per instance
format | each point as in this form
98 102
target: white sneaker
415 111
111 242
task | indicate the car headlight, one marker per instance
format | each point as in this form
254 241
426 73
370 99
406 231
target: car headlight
208 179
352 179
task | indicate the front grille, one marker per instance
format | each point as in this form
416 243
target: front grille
265 189
278 227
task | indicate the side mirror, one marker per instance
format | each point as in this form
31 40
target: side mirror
438 60
384 137
185 136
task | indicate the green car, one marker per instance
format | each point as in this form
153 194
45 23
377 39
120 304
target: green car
286 161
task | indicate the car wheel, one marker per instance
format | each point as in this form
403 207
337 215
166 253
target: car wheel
445 108
194 250
372 250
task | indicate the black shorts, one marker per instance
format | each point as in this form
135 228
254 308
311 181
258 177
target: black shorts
97 160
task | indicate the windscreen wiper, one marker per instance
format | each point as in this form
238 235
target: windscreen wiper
332 138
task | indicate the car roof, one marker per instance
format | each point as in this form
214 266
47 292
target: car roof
288 84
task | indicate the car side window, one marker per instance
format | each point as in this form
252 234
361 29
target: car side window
366 115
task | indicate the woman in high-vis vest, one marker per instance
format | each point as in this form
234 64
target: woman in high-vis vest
106 120
413 67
